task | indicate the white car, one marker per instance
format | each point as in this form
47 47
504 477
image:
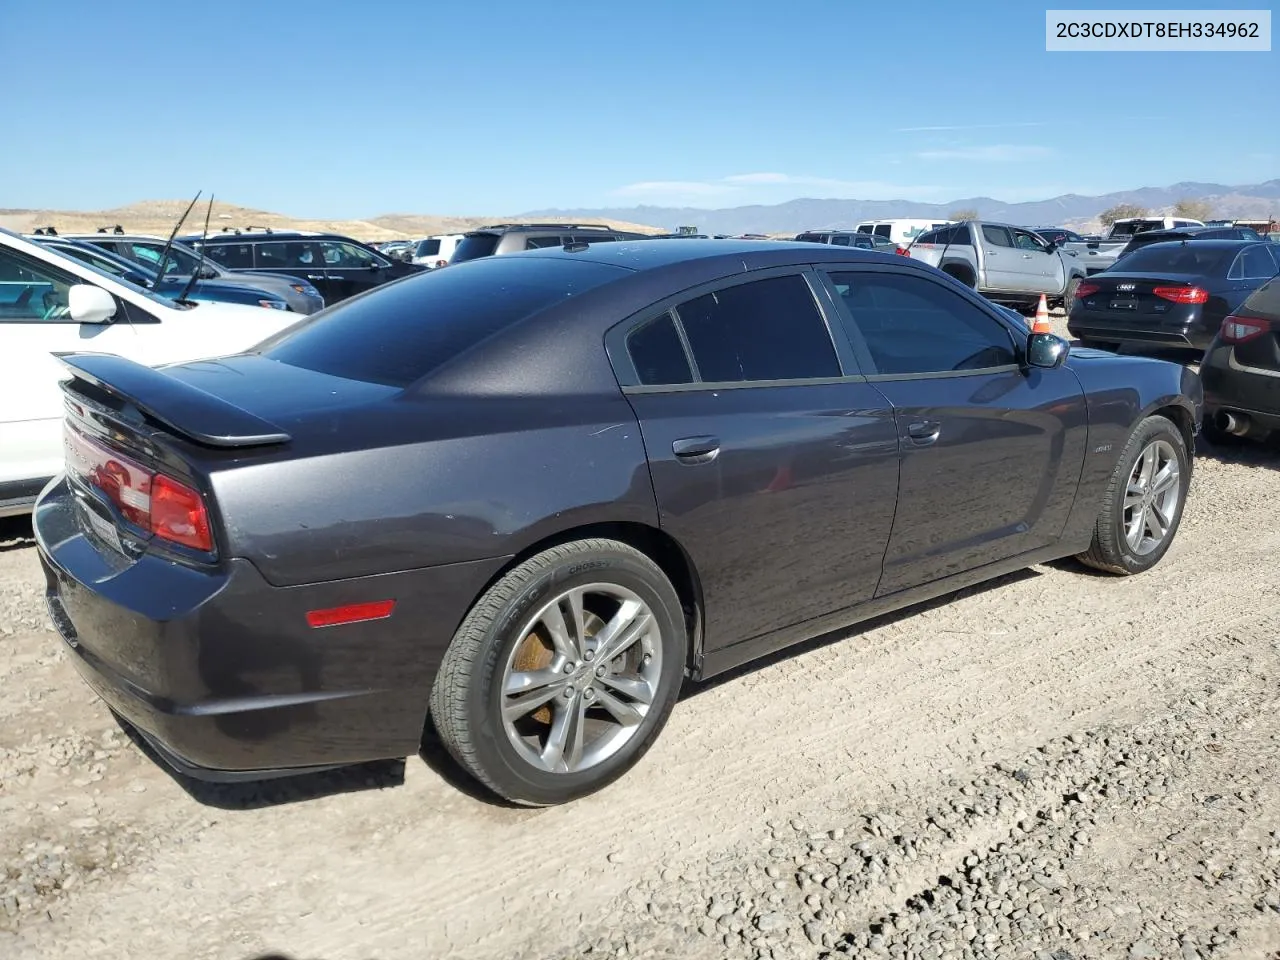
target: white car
53 304
900 231
435 251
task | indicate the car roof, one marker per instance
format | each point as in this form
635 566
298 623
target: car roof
250 236
1215 244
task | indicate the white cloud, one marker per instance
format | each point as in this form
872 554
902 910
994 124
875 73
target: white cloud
760 178
995 153
972 126
689 188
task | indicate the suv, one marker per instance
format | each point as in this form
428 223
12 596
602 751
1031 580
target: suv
339 266
435 251
848 238
515 237
1148 237
181 262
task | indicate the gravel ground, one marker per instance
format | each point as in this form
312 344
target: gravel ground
1058 766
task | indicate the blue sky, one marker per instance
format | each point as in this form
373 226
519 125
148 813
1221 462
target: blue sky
333 109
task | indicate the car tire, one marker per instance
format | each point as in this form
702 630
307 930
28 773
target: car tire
1069 295
1137 501
527 628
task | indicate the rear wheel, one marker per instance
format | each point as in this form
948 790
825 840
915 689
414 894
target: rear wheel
563 673
1069 295
1142 506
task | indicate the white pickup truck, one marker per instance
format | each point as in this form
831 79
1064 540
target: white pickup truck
1097 255
1006 264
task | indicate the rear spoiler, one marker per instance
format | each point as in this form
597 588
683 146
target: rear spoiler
185 409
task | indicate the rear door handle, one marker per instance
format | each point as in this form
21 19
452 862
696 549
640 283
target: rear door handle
694 450
924 432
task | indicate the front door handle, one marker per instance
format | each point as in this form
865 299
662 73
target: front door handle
694 450
924 432
315 276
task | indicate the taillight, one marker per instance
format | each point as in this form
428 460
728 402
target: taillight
1182 294
1240 329
1087 289
178 514
902 251
150 501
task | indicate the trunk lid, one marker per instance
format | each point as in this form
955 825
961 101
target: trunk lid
1133 295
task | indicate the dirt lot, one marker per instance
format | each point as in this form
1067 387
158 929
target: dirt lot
1057 765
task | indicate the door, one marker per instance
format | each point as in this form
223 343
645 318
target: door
998 255
1043 268
350 269
34 324
991 453
774 470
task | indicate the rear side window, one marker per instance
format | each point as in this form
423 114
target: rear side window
884 230
402 331
865 228
233 256
538 243
763 330
474 246
912 325
841 240
1253 263
428 248
596 238
657 353
996 236
812 238
286 253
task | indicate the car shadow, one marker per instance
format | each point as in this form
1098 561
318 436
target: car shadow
1248 453
278 791
16 533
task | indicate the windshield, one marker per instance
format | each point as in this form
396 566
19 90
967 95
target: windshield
402 331
119 281
179 262
1127 228
473 246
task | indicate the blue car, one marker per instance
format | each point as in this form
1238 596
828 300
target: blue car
214 291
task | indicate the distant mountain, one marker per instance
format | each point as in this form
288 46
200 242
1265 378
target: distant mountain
1251 200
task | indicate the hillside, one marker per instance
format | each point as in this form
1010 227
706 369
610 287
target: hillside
1251 200
159 216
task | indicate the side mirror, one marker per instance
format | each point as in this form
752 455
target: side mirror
208 273
89 304
1046 351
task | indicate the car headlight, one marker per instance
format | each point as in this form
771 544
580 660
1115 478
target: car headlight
306 289
274 304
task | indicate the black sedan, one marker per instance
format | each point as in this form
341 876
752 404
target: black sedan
1172 294
529 495
1241 371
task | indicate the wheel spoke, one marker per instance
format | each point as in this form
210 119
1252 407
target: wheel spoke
563 749
1132 495
624 713
635 688
1134 529
1157 521
527 691
627 626
1148 469
1166 479
563 635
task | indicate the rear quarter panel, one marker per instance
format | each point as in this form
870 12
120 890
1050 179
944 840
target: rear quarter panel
448 485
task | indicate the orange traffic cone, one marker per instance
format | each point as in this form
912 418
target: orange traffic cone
1042 317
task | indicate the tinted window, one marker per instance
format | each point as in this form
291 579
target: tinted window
340 255
178 261
33 290
883 230
1255 263
1177 258
1264 302
1131 227
473 246
402 331
428 248
286 253
596 238
996 236
865 228
765 330
538 243
913 325
840 240
234 256
657 353
812 238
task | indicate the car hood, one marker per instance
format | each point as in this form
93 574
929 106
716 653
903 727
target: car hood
237 324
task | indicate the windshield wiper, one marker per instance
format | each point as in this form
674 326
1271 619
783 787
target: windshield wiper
195 274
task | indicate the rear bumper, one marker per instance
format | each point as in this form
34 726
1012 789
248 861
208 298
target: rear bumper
1192 333
220 671
1230 386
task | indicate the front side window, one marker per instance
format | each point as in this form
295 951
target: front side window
912 325
1028 241
340 255
33 290
763 330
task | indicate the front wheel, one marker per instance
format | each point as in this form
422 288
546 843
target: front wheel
1142 506
563 673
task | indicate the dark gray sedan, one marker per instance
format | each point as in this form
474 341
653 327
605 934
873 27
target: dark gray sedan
527 496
